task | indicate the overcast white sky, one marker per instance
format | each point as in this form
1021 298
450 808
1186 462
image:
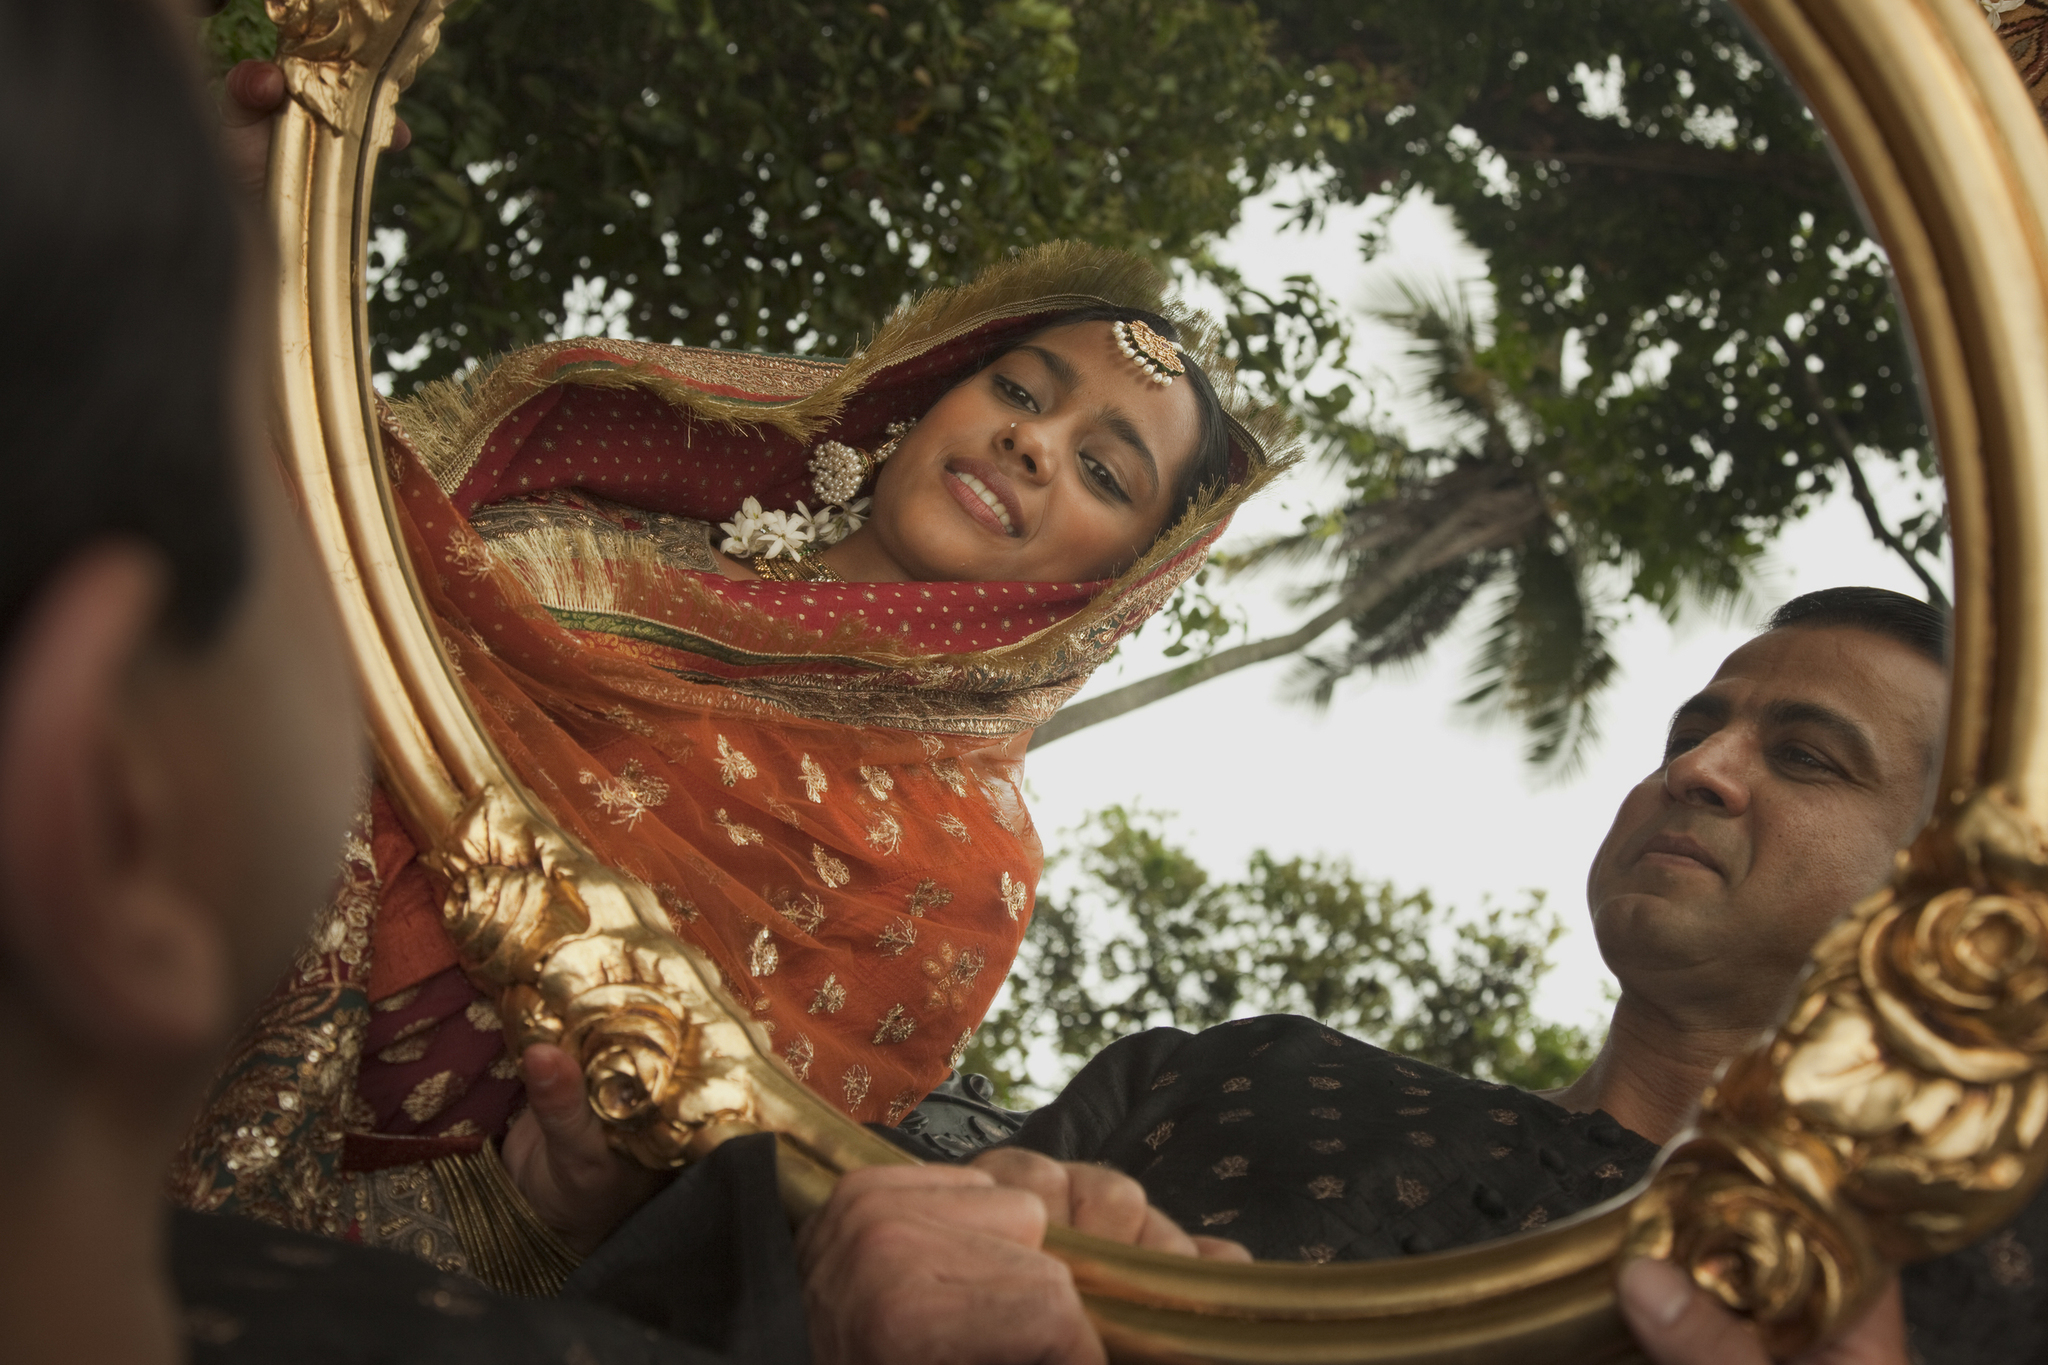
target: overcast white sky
1390 776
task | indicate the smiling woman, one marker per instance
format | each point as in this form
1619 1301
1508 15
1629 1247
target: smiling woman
814 758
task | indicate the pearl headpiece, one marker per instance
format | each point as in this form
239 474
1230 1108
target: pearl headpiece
1149 351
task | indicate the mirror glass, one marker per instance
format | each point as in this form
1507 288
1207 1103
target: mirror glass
1595 366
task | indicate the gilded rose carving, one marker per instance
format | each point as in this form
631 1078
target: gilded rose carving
582 956
1894 1114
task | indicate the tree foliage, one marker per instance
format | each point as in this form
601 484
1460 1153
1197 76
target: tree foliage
1692 339
1144 936
1693 342
779 175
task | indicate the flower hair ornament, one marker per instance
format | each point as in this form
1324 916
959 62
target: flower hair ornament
1149 351
781 544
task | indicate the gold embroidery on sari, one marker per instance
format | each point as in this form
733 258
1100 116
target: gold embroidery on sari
784 812
762 958
898 935
956 827
884 834
732 764
1016 897
896 1026
268 1143
629 796
831 871
740 834
678 905
814 779
853 1084
928 895
404 1208
806 912
959 1053
901 1105
432 1095
878 781
798 1054
947 770
952 974
831 997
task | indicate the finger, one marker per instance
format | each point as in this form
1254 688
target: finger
255 91
1157 1232
854 1215
1677 1323
912 1290
849 1202
401 136
1110 1204
1017 1169
1220 1249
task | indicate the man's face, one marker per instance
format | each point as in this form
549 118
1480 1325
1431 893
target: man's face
262 740
1786 788
1056 464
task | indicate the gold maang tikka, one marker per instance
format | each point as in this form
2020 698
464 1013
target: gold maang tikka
1149 351
838 470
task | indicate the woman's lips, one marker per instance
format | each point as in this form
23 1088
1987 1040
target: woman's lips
985 495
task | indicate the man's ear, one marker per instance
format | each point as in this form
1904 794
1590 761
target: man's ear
93 918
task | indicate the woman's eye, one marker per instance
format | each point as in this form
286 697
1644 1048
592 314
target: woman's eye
1104 479
1016 393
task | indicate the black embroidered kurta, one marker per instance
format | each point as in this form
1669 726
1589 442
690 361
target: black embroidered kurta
1306 1145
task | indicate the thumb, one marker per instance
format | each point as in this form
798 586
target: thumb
255 89
1677 1323
554 1092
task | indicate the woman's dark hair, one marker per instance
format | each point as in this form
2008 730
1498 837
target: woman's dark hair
1210 466
1916 624
119 251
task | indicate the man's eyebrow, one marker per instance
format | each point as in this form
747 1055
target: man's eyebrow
1852 736
1705 706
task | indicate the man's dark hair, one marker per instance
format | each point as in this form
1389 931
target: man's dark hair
1916 624
119 276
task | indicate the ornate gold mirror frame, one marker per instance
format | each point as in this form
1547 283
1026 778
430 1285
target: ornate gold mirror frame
1897 1113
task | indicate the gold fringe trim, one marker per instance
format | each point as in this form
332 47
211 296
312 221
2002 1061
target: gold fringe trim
448 422
509 1248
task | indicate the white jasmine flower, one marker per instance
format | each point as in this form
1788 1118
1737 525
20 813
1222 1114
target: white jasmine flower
744 530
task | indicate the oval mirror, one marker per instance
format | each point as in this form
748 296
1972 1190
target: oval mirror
535 717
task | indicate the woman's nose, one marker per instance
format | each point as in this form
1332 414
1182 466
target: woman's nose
1025 443
1713 773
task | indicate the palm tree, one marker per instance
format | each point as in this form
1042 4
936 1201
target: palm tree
1426 533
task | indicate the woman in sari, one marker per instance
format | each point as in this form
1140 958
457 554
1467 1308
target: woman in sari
805 732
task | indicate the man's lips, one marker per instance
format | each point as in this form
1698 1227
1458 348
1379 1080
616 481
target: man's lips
973 484
1684 847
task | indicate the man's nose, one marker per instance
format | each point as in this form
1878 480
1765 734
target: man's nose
1713 773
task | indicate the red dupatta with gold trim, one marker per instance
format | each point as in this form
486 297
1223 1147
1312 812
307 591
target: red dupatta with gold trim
821 781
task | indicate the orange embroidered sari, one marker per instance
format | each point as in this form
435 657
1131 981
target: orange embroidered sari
821 781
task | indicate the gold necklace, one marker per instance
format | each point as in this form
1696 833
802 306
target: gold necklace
800 569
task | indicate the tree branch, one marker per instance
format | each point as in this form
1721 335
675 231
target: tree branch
1488 519
1859 486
